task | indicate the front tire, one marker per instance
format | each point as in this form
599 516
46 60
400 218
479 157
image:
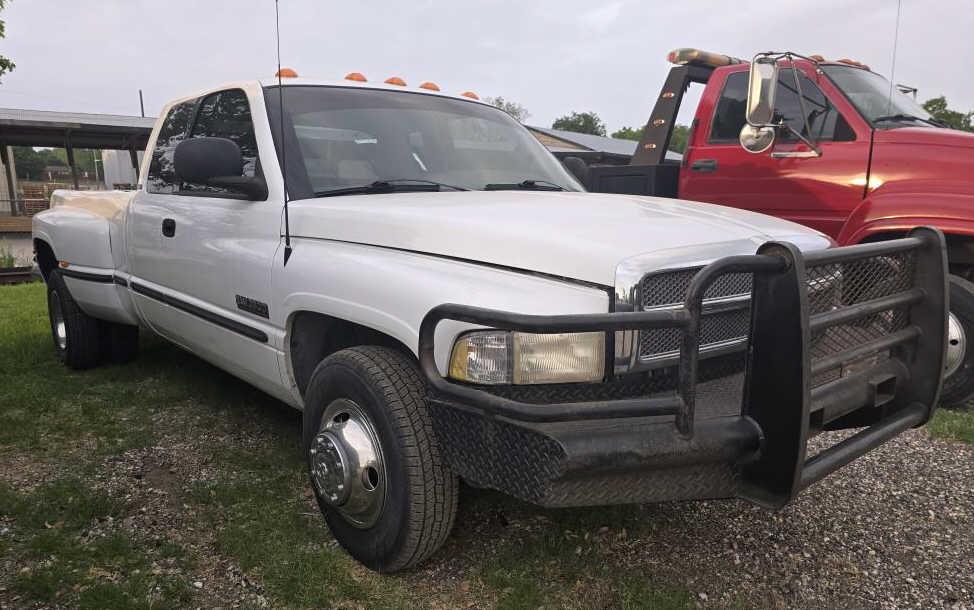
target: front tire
373 458
76 335
958 389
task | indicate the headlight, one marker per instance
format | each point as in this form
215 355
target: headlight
502 357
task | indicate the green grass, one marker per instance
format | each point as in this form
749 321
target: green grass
954 425
67 560
257 507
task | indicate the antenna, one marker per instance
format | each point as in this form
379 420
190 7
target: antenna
892 70
280 103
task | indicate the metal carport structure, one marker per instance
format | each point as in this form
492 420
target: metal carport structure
69 130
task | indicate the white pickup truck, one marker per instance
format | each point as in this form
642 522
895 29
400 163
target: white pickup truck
443 301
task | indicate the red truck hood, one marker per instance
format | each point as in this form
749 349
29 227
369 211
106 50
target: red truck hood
925 136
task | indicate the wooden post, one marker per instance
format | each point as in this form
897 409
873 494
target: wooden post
134 157
8 173
70 150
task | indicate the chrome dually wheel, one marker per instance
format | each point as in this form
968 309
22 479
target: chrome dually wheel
58 327
374 461
347 466
77 339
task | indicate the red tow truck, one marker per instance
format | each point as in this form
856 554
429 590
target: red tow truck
828 144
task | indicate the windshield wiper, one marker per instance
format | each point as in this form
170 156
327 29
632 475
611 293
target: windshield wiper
902 116
525 185
397 185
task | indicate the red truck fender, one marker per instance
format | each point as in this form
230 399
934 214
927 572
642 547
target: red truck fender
899 206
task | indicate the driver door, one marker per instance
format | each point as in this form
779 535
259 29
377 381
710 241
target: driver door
819 192
210 286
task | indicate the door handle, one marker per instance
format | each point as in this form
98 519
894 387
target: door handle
168 227
704 165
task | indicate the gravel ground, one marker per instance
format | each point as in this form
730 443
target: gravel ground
892 530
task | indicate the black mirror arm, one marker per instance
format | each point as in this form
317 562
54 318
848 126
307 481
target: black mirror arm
801 104
254 187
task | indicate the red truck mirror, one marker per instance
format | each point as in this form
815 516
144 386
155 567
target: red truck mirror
757 139
761 88
758 134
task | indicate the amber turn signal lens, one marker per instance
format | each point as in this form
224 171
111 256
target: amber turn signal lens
430 86
356 76
286 73
395 80
471 95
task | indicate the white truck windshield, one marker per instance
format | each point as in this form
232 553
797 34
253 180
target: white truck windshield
340 138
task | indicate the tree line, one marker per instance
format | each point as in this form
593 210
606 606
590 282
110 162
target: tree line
30 162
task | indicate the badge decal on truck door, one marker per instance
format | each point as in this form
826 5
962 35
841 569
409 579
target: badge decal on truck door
253 306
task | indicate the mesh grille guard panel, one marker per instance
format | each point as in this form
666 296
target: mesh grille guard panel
829 286
835 286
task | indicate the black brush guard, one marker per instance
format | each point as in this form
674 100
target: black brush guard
867 355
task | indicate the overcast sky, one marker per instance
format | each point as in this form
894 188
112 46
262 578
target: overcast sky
552 56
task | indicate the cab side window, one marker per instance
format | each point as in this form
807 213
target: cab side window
825 121
226 114
162 177
729 114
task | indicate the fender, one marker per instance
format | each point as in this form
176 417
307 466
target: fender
900 206
326 276
84 230
82 226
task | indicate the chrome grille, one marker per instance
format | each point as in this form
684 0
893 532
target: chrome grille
726 320
670 287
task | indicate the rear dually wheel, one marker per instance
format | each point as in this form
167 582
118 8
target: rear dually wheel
76 335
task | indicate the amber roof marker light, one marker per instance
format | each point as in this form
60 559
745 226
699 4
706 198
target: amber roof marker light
430 86
357 77
286 73
471 95
395 80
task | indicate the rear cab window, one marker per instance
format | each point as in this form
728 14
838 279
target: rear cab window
162 177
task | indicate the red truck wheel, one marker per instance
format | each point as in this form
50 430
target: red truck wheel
959 382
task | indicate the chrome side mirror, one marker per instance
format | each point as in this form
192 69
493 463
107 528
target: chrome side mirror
757 139
761 88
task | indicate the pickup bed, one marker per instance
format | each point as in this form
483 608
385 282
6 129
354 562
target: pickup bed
442 300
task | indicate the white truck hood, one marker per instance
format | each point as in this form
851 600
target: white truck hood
583 236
